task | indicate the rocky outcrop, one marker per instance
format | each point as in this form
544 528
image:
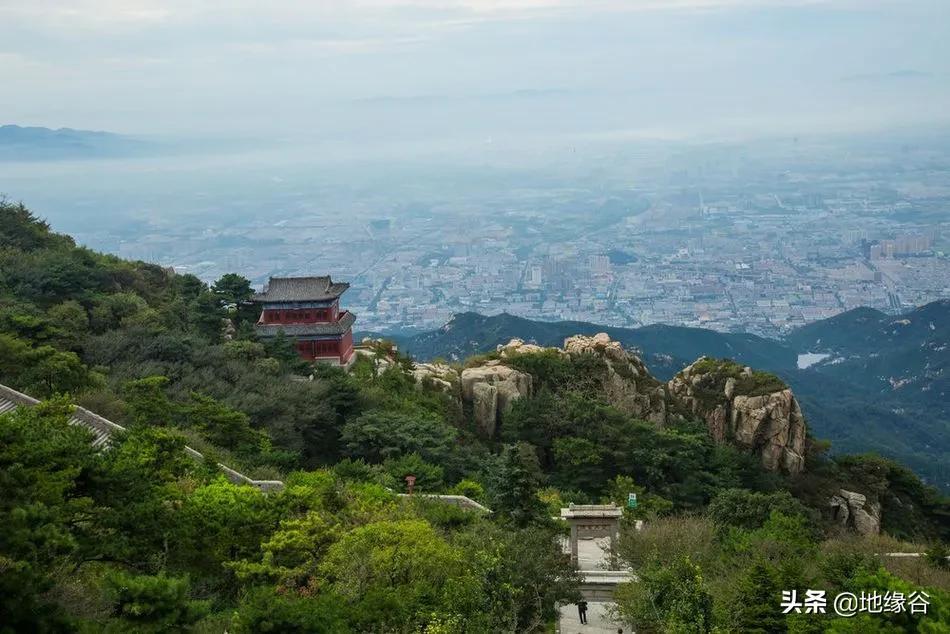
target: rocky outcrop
628 384
752 410
439 375
490 389
853 511
518 346
773 425
599 344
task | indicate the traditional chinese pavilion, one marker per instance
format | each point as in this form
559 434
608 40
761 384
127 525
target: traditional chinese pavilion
307 309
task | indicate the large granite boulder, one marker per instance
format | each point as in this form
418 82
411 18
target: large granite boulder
491 388
773 425
488 388
438 375
518 346
752 410
853 511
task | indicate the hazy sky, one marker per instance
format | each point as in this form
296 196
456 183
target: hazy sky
349 67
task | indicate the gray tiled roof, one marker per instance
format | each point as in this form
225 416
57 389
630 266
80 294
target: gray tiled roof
103 429
302 330
301 289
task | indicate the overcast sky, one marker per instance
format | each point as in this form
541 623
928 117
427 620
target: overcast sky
664 67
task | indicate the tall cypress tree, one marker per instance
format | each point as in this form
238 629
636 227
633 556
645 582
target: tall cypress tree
757 607
517 483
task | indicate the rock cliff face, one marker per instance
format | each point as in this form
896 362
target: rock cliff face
852 510
752 410
491 388
628 384
488 388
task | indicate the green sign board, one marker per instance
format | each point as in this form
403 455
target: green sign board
632 501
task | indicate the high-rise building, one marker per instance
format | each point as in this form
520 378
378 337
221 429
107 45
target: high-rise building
534 277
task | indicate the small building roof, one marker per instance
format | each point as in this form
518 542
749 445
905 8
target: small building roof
339 327
301 289
591 511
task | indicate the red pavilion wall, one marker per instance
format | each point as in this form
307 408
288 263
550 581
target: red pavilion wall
300 315
324 349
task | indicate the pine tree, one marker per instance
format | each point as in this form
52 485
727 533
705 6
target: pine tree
517 484
757 605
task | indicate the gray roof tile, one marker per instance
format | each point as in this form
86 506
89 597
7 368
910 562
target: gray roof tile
302 330
301 289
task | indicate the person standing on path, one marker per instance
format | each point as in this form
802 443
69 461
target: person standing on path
582 611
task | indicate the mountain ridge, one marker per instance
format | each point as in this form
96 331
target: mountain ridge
666 348
37 143
883 386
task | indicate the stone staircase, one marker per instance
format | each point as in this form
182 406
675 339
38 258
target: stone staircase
102 431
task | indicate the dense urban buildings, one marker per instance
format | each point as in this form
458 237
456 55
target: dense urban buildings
759 237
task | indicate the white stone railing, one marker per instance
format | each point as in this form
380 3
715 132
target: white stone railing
457 500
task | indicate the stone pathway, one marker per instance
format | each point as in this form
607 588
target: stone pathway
598 621
591 556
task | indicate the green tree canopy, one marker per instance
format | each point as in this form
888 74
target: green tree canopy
232 289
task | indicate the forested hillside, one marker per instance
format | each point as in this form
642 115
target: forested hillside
140 537
905 356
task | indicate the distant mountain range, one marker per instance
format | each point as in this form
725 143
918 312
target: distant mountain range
904 355
666 349
875 382
19 143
